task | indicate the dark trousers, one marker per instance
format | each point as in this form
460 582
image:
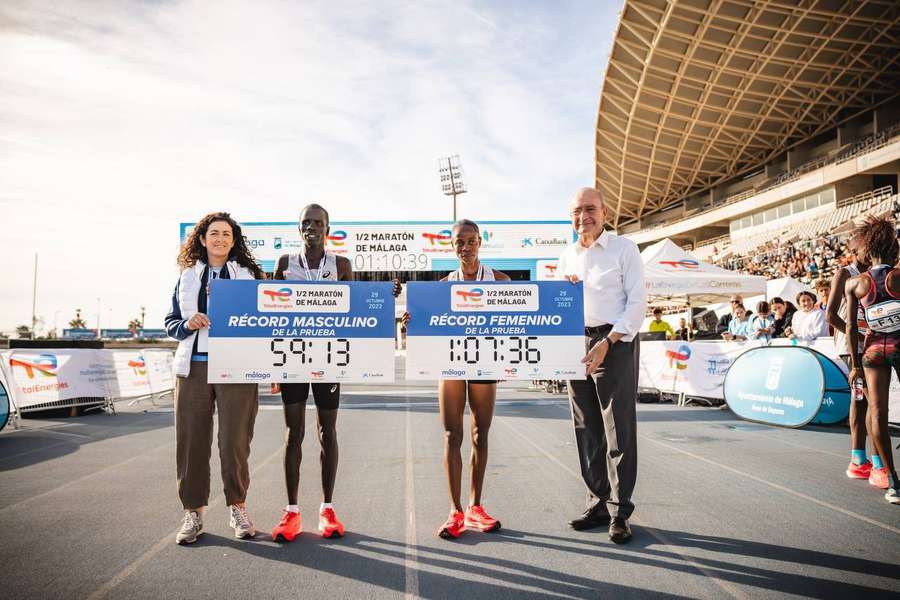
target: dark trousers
605 419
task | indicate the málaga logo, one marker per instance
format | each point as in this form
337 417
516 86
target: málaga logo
45 364
337 238
678 358
685 263
281 295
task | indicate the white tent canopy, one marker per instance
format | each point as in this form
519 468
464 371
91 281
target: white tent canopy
672 275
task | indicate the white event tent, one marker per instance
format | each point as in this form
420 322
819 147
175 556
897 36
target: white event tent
672 276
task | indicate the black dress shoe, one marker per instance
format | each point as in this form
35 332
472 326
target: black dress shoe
589 520
619 531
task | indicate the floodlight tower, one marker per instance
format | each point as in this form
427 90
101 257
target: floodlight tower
452 183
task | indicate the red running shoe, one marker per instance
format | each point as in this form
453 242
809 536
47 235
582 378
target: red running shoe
879 478
855 471
455 525
329 526
477 518
288 527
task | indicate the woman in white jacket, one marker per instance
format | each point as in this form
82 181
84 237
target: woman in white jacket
215 250
809 322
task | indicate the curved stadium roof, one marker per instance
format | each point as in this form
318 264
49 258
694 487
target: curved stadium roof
700 91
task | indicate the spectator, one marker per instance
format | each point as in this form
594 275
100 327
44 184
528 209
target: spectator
657 325
763 324
783 313
809 322
725 319
739 326
823 289
684 332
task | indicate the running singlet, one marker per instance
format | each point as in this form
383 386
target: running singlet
882 308
298 268
840 339
482 275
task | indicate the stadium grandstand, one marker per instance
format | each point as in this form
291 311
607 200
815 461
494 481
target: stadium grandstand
752 133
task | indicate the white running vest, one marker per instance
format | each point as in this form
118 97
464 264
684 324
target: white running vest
482 275
297 268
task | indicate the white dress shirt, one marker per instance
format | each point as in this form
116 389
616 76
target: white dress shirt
808 326
613 277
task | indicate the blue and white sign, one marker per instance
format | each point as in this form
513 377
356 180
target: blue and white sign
786 385
298 331
495 330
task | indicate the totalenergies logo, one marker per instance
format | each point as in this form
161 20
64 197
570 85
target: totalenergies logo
337 238
45 364
684 263
678 358
281 295
550 270
139 365
317 374
473 295
441 238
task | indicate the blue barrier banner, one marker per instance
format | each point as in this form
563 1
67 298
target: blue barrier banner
780 385
483 330
299 331
4 407
836 399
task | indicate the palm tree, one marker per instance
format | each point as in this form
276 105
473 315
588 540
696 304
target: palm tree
78 322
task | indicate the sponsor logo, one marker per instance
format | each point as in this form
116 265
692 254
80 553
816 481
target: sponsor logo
281 295
526 243
139 365
773 374
336 238
678 358
487 236
277 243
531 242
284 375
685 263
452 373
550 270
45 364
256 243
511 372
373 375
256 375
471 296
317 374
441 238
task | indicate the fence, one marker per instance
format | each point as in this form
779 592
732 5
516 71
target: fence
43 379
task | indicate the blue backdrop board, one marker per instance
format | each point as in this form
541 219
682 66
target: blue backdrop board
780 385
836 398
4 407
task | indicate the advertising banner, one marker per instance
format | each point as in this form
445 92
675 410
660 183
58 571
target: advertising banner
301 331
407 246
495 330
692 368
38 377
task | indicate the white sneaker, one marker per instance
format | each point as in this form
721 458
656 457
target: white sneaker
892 496
240 522
191 527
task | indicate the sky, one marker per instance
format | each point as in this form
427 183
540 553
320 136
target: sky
119 120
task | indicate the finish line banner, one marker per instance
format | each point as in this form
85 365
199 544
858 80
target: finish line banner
299 331
495 330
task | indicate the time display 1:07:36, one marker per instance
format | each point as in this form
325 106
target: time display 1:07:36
339 348
520 349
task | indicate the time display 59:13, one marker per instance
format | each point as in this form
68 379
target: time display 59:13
513 349
337 350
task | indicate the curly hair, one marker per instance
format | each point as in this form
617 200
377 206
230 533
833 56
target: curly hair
879 239
193 250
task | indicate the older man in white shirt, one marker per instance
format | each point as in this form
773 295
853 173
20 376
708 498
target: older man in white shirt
603 404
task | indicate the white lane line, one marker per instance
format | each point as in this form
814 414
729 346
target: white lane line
411 573
776 486
166 540
727 587
83 478
429 403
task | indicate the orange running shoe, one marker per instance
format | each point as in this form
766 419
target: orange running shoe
289 527
855 471
455 525
879 478
329 526
477 518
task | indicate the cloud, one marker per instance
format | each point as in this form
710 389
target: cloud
120 120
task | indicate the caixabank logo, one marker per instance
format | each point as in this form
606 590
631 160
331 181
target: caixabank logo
41 364
678 358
